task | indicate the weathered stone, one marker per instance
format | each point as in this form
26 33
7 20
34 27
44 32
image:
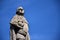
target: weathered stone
19 26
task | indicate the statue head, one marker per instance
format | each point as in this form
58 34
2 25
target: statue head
20 11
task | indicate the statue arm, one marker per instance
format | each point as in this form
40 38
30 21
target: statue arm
15 22
27 36
25 28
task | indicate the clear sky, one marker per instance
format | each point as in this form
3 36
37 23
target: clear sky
43 17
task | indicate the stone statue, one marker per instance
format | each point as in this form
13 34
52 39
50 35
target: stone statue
19 26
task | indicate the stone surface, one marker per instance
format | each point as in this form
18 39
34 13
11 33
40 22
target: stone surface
19 26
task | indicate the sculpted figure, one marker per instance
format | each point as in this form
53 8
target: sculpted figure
19 26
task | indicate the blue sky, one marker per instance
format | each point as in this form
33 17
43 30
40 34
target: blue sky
43 17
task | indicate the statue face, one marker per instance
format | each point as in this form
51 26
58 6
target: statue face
20 11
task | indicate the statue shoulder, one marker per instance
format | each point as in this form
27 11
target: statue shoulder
25 20
14 18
